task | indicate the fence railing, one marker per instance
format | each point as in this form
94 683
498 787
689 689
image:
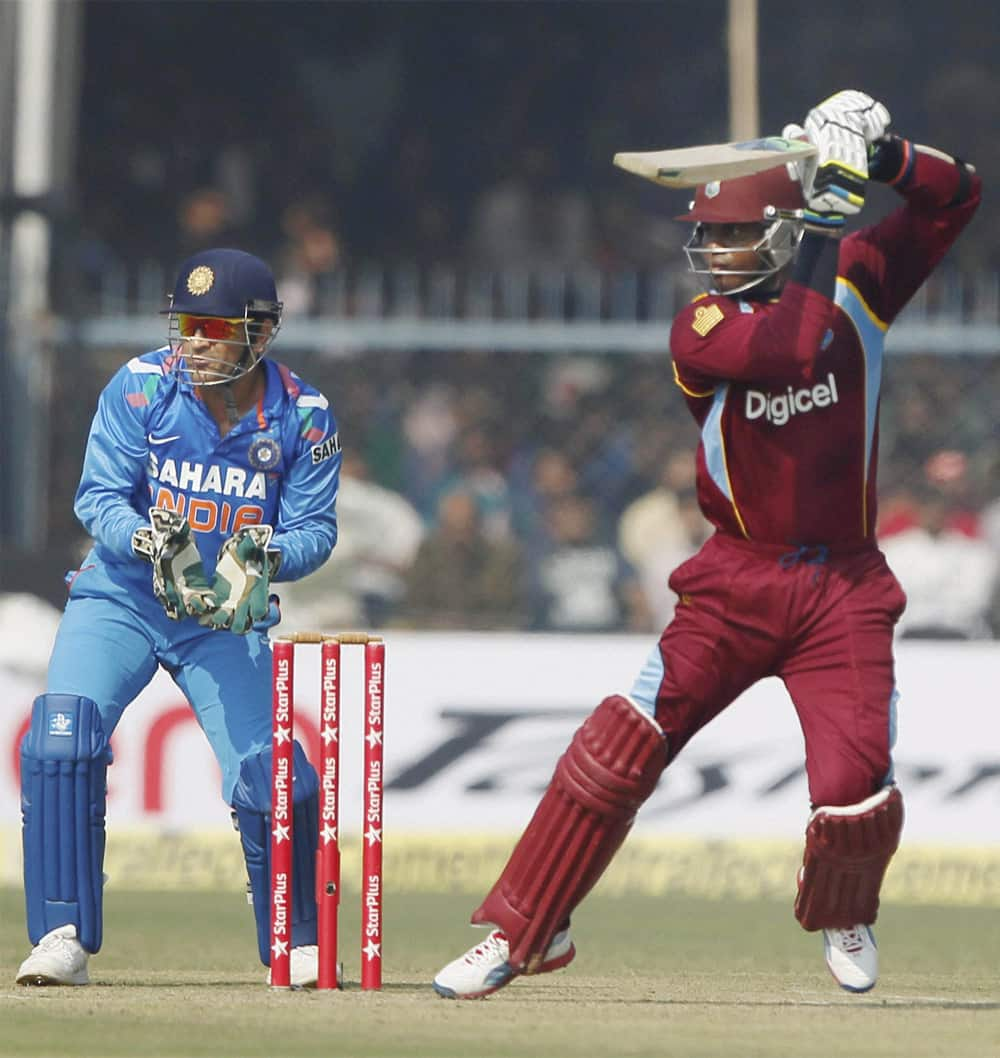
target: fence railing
544 310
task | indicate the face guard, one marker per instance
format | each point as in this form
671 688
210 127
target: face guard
222 298
198 364
776 248
773 199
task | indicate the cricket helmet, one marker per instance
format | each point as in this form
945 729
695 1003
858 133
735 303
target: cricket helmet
773 199
227 297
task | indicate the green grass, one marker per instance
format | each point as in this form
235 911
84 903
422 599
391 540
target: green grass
178 976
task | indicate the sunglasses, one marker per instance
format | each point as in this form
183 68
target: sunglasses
214 328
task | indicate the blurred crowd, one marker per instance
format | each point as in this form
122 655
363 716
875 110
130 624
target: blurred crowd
557 494
457 133
515 490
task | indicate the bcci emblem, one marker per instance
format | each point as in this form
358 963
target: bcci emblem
200 280
264 454
712 188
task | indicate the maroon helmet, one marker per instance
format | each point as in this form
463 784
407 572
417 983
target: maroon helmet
759 197
773 199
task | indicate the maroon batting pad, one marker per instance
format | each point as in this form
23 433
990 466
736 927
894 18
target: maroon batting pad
611 767
845 860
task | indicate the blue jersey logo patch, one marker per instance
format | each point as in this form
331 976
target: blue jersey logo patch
264 454
61 724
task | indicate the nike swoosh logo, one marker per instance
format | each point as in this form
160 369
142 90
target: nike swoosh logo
161 440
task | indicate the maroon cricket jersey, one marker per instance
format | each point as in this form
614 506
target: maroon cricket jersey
786 392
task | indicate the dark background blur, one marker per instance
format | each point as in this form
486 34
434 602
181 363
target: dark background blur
393 119
452 161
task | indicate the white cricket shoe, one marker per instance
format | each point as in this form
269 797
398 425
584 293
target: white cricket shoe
304 967
852 956
484 968
57 959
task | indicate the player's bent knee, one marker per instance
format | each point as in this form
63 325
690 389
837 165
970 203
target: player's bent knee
847 852
252 805
614 760
610 768
64 763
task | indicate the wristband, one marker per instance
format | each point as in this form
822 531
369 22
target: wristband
890 161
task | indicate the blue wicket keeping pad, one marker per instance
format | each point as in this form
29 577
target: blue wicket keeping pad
64 765
252 804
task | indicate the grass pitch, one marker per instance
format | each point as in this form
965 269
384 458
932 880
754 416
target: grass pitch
178 976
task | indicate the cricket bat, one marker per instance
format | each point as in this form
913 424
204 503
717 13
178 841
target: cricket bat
693 166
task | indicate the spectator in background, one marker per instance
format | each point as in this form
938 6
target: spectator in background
990 517
897 509
550 478
949 577
312 252
601 447
430 426
945 471
204 221
530 219
579 582
478 474
364 580
660 530
416 216
460 578
948 470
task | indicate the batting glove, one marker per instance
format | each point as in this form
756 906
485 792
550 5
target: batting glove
179 579
242 580
850 106
817 216
837 189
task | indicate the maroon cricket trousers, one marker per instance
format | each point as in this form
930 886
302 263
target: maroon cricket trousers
820 619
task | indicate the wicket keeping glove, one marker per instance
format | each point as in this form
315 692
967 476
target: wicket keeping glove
242 580
179 579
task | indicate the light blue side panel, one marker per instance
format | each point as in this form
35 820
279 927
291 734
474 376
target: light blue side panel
711 439
871 333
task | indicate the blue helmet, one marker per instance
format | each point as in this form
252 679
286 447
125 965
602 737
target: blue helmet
230 285
227 283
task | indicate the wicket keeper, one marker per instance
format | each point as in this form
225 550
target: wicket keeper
210 473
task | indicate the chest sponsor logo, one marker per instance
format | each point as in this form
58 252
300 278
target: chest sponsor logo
222 480
330 447
213 498
778 408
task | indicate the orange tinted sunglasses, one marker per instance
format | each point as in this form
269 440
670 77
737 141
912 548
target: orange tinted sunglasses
214 328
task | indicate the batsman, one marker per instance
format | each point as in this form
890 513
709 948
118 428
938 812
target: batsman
780 363
211 472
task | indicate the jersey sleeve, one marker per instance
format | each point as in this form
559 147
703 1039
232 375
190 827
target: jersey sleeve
720 338
887 262
115 459
306 529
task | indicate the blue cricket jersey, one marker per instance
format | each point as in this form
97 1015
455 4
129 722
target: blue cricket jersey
154 443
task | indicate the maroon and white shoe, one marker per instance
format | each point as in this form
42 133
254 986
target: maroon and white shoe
485 969
852 956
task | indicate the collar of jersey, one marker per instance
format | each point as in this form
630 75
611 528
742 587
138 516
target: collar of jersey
274 392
